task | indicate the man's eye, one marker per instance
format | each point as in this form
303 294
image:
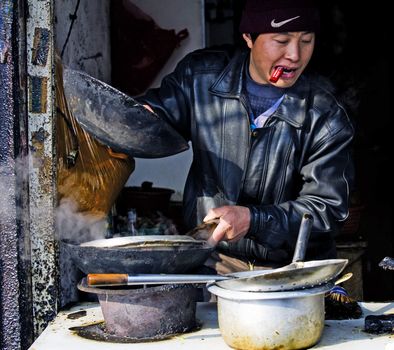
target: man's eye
283 42
305 41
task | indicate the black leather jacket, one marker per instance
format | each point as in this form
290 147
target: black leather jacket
299 162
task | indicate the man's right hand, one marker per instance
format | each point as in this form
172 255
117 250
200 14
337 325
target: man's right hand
233 223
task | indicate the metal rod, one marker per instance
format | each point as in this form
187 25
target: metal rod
303 237
101 280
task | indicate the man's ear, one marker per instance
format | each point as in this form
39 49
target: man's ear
248 40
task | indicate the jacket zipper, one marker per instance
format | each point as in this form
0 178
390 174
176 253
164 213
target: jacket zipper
246 163
282 180
264 175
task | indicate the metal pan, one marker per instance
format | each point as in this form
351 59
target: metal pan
301 275
117 120
144 254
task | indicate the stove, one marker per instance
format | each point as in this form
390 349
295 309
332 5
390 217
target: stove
337 335
62 334
142 313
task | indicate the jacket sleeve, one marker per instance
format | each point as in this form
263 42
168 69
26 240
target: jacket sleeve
327 174
171 100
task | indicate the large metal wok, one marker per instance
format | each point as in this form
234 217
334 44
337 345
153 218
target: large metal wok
139 254
117 120
296 275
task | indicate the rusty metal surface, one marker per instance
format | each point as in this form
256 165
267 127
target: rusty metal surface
42 180
149 312
10 330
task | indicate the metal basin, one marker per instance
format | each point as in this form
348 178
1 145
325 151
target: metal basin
271 320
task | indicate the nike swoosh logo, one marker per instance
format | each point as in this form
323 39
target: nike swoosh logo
280 24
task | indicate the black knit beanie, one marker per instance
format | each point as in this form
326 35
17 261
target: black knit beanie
274 16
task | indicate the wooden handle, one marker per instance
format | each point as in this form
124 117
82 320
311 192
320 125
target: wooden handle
102 279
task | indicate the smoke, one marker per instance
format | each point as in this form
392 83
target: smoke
70 224
76 226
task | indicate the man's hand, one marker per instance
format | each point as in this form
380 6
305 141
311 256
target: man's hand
234 222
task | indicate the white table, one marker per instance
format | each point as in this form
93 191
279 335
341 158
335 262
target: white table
337 335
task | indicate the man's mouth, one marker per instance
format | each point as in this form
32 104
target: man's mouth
278 71
287 72
286 69
282 72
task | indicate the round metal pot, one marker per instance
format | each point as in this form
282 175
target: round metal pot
147 313
271 320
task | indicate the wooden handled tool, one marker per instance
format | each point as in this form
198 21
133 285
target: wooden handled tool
115 279
105 279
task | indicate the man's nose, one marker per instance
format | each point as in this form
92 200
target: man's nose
293 52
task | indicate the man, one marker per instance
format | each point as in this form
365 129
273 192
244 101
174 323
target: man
269 142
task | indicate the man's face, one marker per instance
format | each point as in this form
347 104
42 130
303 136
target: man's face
291 50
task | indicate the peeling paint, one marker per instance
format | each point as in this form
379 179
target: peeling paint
40 46
37 147
38 96
42 180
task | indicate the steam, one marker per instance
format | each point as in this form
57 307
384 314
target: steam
13 174
76 226
70 224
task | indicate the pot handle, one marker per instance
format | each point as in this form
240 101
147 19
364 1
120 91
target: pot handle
303 237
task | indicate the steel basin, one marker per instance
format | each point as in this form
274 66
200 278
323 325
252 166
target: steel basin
285 320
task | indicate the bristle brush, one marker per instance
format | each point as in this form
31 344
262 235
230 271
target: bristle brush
339 293
339 305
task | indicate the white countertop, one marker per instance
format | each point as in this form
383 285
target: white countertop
337 335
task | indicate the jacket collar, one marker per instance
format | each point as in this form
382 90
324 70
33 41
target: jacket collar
294 107
230 82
